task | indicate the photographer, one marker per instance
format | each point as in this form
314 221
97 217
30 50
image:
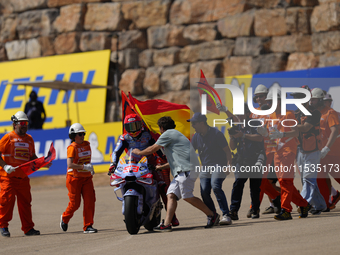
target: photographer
249 145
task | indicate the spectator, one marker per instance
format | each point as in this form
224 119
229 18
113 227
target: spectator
34 110
249 145
214 151
183 161
16 148
79 179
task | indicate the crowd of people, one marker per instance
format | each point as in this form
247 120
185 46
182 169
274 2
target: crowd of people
275 148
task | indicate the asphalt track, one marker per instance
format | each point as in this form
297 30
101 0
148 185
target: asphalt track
313 235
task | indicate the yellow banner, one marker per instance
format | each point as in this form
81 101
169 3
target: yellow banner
85 106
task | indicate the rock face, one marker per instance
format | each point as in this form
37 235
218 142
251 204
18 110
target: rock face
160 45
36 23
106 16
71 18
132 81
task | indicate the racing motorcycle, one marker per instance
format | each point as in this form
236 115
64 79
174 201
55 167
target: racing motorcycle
140 197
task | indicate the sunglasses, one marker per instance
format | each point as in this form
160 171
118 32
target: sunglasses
22 123
81 134
260 96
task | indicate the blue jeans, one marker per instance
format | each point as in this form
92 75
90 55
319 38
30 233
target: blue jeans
310 190
216 185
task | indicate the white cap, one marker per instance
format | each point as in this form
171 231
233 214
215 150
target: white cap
328 97
76 128
261 89
317 93
270 94
19 116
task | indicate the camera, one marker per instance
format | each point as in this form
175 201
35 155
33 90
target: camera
232 130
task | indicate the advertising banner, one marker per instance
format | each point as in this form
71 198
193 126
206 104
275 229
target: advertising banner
85 106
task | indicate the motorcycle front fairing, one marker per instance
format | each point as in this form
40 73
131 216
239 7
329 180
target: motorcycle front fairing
135 179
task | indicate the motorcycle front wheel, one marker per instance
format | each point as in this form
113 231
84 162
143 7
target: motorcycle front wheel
130 213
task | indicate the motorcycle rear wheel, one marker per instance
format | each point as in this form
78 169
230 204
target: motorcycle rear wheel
130 212
154 222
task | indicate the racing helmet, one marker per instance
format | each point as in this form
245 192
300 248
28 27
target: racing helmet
133 125
74 129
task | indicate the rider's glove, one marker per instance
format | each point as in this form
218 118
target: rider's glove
9 169
112 168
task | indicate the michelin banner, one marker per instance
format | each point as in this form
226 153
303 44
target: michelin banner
85 106
102 138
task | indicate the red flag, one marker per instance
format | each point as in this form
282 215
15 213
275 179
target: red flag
205 88
33 165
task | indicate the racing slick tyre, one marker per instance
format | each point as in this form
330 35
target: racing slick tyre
132 221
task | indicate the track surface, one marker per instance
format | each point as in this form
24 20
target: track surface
314 235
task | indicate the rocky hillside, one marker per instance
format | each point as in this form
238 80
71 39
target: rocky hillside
164 43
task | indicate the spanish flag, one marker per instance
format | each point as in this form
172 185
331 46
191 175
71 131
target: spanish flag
151 110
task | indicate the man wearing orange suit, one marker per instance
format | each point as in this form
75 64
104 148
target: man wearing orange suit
267 184
285 134
79 180
329 126
335 194
16 148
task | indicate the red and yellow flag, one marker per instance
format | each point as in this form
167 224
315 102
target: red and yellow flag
151 110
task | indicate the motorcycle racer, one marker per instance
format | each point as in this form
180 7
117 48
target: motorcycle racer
138 137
